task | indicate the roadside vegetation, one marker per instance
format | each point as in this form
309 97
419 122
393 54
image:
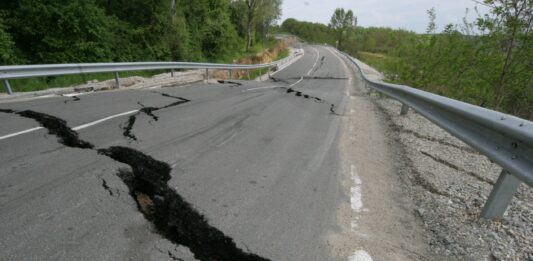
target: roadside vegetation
72 31
486 61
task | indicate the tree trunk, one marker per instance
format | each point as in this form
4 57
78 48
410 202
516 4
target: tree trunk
248 36
249 25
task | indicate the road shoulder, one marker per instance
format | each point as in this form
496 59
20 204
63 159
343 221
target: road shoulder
377 219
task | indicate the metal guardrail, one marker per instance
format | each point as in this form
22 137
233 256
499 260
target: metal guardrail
504 139
30 71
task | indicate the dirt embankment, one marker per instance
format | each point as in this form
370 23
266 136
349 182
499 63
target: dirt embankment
267 56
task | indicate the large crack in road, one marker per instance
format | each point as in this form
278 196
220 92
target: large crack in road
149 111
173 217
332 107
55 126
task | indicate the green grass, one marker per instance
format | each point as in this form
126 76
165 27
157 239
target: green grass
283 54
380 62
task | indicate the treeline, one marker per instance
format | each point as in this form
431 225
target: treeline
72 31
356 39
487 62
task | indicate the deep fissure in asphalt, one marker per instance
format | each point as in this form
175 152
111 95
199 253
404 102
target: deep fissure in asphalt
332 107
55 126
234 84
278 80
173 217
128 127
72 98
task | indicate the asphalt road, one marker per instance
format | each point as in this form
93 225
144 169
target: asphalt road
259 160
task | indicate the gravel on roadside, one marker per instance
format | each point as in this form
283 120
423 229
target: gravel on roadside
450 182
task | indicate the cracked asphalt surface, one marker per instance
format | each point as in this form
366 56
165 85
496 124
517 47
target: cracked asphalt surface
261 165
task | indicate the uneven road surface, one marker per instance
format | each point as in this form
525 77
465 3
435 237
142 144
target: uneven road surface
128 175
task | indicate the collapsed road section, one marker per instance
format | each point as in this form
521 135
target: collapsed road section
173 217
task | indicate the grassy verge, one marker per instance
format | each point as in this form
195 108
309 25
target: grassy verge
380 62
283 54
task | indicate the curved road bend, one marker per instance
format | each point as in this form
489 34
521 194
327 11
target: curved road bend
261 161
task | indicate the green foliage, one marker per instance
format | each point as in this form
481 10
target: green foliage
310 32
81 31
254 18
72 31
488 62
7 52
58 31
341 22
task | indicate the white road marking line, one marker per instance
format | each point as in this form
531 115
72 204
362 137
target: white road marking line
227 140
20 133
290 63
104 119
356 195
317 57
301 79
356 200
360 255
260 88
76 94
83 126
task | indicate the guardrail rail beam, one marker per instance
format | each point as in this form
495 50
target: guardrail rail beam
504 139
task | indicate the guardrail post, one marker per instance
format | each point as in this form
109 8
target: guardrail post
117 80
206 74
260 74
500 196
405 109
248 74
172 73
230 74
8 87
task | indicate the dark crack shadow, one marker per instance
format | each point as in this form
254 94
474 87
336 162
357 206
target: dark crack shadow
332 107
127 129
55 126
279 80
147 181
233 84
171 215
72 99
457 168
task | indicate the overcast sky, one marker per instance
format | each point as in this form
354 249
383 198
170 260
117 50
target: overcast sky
406 14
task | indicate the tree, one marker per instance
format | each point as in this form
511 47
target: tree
252 7
259 16
7 46
60 31
341 22
510 27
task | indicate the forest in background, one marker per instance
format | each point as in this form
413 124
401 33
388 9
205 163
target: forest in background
76 31
486 61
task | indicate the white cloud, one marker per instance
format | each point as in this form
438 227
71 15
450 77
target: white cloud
406 14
